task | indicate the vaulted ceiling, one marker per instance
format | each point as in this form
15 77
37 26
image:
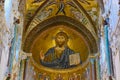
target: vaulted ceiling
79 18
86 11
83 14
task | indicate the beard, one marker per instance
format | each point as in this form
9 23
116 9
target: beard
60 44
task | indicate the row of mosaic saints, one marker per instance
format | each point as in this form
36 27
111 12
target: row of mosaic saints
58 55
74 76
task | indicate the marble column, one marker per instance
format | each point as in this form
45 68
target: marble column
24 60
97 68
4 42
92 69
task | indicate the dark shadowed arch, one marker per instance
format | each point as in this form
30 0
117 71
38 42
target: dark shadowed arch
61 20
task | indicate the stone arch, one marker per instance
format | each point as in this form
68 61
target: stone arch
91 41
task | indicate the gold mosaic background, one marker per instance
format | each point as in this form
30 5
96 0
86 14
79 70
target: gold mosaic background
46 40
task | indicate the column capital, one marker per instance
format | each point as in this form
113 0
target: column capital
95 55
24 55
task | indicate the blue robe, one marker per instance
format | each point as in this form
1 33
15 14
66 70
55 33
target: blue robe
54 62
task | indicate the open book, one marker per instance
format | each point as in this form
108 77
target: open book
74 59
